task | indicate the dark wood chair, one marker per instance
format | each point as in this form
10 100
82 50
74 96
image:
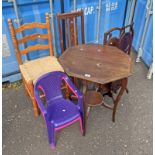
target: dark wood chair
33 69
123 42
68 23
71 24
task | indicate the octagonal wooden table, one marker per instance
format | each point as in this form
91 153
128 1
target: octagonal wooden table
99 64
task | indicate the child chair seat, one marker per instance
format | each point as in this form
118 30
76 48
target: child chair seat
62 112
32 70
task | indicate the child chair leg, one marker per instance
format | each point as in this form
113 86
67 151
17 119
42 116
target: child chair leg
81 125
51 136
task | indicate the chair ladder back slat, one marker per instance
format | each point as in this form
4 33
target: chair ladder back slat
15 42
32 37
49 34
33 48
30 26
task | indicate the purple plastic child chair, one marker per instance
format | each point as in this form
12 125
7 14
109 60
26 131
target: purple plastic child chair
59 112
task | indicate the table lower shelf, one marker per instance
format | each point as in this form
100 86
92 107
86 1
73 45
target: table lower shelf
93 98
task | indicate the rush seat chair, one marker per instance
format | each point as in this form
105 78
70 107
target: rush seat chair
32 69
58 112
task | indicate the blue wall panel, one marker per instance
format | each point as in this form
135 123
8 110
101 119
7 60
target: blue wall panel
112 15
90 16
148 44
139 21
29 11
128 12
57 9
9 59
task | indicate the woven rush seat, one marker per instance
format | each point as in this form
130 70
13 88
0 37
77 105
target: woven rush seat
32 70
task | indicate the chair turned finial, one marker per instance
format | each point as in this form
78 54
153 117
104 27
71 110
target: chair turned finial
47 15
10 21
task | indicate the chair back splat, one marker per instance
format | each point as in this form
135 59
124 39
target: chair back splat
70 22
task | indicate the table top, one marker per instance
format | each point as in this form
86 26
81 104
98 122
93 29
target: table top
96 63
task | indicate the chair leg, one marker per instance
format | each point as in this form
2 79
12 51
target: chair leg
35 107
25 88
81 125
123 87
51 136
88 110
85 118
127 91
85 106
27 94
34 103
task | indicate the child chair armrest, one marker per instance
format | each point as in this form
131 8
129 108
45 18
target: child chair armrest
72 86
40 103
76 92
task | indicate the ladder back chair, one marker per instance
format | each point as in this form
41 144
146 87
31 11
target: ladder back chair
31 70
69 21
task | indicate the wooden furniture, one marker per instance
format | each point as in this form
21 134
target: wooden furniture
99 64
70 22
123 42
93 98
33 69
